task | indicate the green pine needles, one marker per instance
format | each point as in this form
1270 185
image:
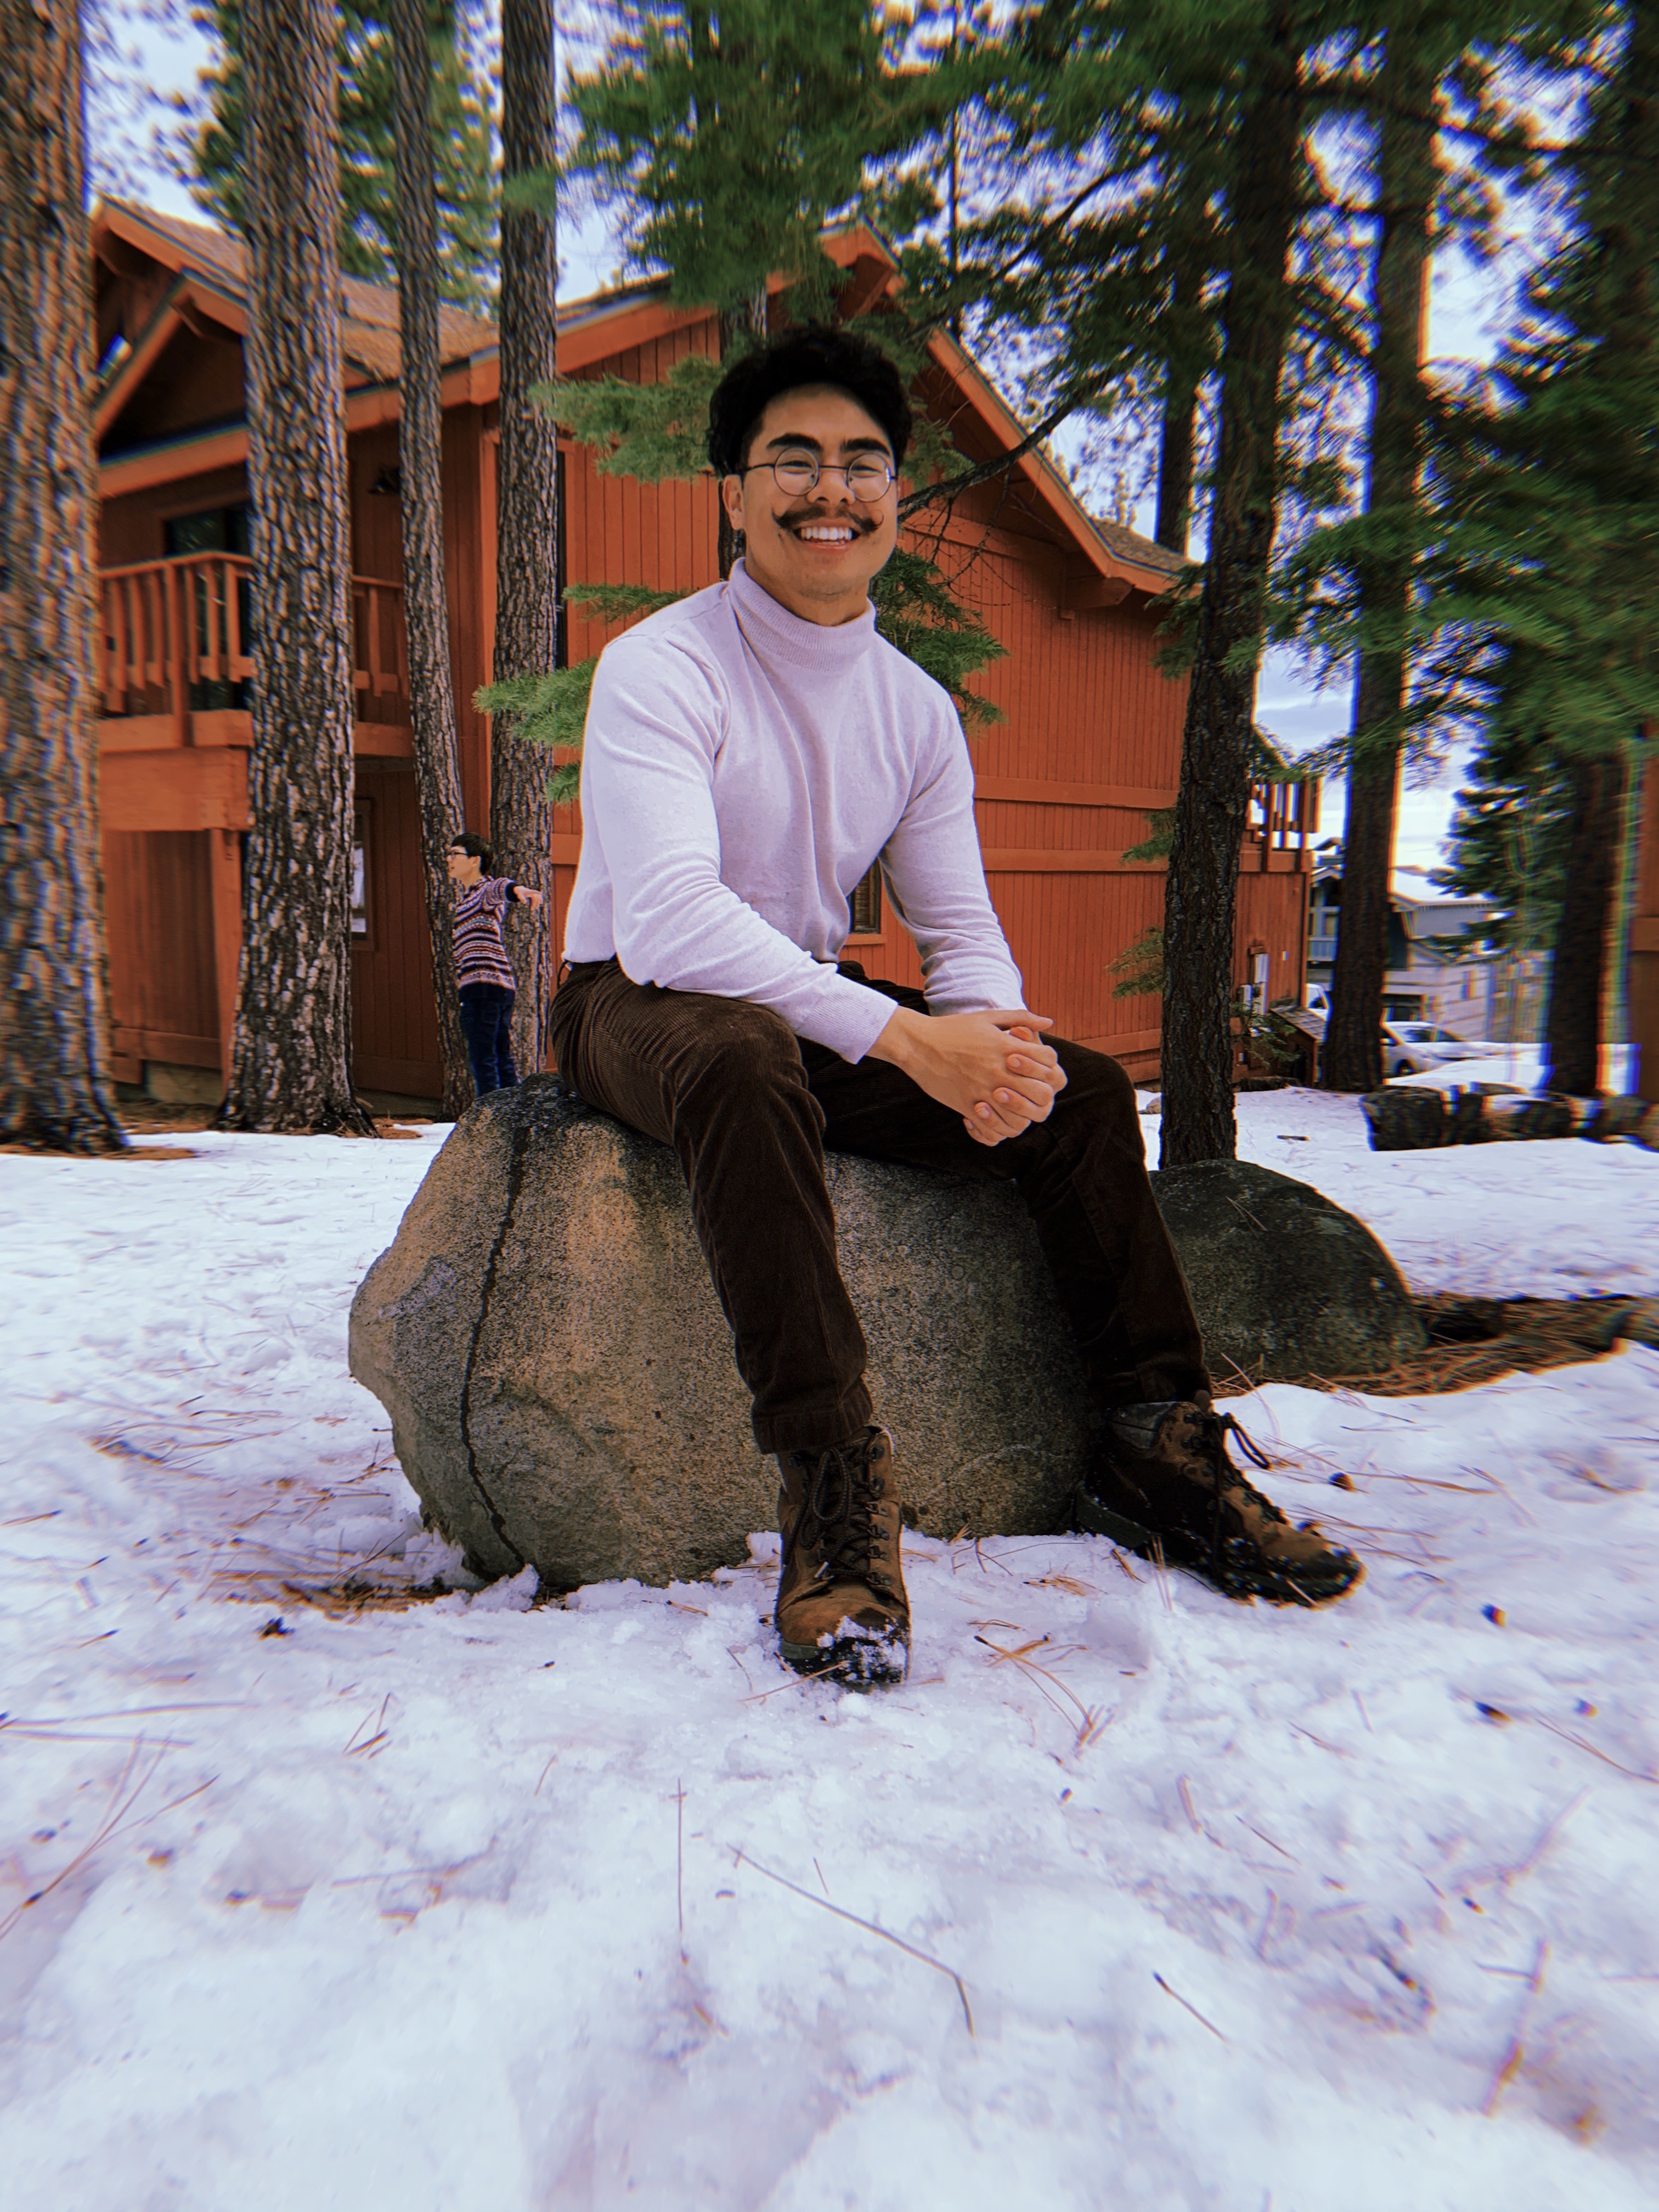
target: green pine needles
916 611
463 140
654 433
1139 967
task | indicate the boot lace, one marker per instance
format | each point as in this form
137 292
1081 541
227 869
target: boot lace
839 1513
1213 1430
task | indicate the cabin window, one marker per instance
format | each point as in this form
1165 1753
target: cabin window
211 530
362 850
866 904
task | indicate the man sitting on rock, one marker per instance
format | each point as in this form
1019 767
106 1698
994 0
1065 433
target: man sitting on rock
750 753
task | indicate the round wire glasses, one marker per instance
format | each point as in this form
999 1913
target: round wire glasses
796 471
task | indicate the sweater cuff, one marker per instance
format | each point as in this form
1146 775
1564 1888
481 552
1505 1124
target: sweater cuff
850 1017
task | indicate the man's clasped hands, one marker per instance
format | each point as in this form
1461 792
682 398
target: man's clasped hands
993 1068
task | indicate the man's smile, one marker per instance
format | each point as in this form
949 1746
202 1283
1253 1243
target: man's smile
811 533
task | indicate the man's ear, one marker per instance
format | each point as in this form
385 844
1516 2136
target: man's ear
731 500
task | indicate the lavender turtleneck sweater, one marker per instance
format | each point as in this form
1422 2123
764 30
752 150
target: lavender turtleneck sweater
741 770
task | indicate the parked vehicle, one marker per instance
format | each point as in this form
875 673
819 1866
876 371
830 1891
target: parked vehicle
1419 1047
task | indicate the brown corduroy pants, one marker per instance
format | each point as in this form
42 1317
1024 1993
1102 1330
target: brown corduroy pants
750 1109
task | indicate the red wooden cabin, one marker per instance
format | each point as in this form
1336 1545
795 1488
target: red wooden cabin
1090 746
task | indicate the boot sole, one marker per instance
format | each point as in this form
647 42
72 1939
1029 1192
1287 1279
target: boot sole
857 1663
1170 1548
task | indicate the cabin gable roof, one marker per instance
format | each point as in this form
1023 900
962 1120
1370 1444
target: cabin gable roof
368 313
189 281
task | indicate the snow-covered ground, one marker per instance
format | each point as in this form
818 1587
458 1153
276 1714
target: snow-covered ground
1518 1067
474 1907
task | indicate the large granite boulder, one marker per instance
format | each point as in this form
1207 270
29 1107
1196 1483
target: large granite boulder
1285 1283
545 1338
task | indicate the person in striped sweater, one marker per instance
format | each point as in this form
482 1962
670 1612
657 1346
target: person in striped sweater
487 986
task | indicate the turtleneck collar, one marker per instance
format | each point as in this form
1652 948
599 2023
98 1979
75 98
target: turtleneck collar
770 630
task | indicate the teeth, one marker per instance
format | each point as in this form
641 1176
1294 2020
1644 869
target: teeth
829 532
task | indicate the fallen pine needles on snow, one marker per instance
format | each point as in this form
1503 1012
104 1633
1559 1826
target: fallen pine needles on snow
742 1858
1515 2056
1472 1341
1192 2008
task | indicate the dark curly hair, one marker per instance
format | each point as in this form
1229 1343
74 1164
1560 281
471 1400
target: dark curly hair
816 354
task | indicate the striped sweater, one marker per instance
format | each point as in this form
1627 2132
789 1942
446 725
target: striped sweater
480 957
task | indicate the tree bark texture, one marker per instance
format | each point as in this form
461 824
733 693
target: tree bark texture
1407 183
1622 201
527 582
1578 964
290 1068
420 466
56 1089
1176 448
1182 380
1201 894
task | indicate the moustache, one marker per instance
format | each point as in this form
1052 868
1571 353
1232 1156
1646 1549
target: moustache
857 524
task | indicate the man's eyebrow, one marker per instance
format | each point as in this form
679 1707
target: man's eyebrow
847 444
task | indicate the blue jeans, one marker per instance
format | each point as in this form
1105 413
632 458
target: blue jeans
487 1025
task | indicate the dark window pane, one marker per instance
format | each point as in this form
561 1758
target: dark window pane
866 904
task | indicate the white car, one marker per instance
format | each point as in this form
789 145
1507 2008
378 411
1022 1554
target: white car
1419 1047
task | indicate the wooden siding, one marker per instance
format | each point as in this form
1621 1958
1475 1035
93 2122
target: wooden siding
618 531
394 1023
1273 918
195 379
152 918
158 894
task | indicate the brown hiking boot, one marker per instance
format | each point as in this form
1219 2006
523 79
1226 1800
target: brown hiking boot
841 1609
1166 1489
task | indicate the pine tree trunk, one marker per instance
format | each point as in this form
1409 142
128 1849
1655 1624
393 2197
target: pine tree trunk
56 1090
290 1068
1621 317
420 464
527 583
1178 439
1408 181
1572 1021
1176 445
1350 1057
1201 896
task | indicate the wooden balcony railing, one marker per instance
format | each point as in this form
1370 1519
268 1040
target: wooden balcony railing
1282 815
176 642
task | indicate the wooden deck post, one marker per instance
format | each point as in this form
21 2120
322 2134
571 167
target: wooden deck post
225 875
177 592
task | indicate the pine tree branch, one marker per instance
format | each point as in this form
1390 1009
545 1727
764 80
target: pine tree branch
984 472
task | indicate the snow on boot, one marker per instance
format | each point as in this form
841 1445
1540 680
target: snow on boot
841 1609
